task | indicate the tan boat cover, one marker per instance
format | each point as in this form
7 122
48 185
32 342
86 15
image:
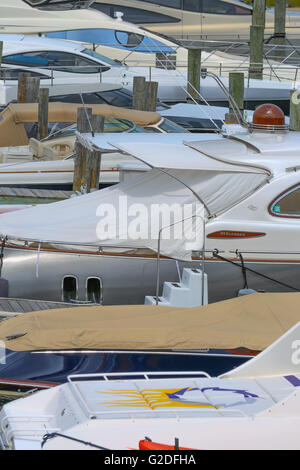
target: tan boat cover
253 322
14 116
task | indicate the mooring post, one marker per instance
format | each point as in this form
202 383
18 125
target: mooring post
84 116
151 96
28 88
280 28
236 90
1 52
93 160
87 161
295 111
256 52
43 110
259 13
139 93
194 75
144 94
257 32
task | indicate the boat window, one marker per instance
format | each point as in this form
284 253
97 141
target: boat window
167 3
31 128
94 290
217 7
113 38
70 288
171 127
13 74
56 60
135 15
287 205
100 57
58 4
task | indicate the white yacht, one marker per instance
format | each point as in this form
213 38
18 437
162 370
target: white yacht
247 187
191 18
61 66
252 407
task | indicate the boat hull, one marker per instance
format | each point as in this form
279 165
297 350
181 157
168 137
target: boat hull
126 278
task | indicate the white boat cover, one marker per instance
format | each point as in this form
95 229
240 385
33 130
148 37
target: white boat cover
132 213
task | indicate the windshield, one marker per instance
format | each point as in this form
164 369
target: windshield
100 57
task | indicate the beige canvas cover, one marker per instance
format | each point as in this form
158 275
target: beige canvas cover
14 116
253 322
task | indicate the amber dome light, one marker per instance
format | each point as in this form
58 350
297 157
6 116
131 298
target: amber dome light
268 115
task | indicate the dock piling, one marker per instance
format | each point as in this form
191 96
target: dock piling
43 109
28 88
295 111
257 33
144 94
236 90
87 161
194 75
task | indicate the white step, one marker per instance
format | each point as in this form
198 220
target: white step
187 293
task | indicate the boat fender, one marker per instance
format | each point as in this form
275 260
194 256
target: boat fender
243 292
147 444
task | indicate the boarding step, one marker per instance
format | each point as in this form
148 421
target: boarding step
187 293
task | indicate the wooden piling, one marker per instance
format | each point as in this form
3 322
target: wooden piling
1 52
256 52
280 28
236 90
43 109
194 75
144 94
139 93
295 111
93 161
259 13
87 161
28 88
151 96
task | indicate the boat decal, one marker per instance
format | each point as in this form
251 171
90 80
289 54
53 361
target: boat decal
293 380
184 398
155 398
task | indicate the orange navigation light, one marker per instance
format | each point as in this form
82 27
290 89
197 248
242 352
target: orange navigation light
268 115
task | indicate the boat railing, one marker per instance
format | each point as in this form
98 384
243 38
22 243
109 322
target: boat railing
9 430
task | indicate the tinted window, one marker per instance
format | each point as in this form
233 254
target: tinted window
135 15
13 74
113 38
58 4
192 5
287 205
218 7
166 3
56 60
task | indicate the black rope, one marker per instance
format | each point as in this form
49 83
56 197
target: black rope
244 271
57 434
245 268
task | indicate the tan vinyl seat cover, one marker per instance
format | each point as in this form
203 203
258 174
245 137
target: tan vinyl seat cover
253 322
